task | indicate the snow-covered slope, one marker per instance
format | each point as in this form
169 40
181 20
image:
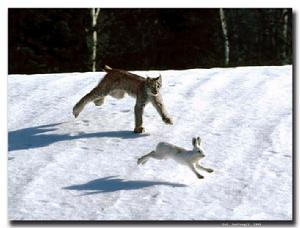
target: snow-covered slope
61 168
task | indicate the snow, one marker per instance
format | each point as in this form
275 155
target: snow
61 168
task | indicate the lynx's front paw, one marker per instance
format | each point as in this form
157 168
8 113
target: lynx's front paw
139 130
168 120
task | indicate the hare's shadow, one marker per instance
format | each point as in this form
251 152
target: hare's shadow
113 184
35 137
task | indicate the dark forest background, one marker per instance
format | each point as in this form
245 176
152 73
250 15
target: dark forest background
61 40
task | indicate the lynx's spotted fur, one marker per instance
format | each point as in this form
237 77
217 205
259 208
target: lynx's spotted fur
116 82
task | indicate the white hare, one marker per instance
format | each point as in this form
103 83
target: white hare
189 158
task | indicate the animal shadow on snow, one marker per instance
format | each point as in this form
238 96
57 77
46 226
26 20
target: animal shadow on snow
35 137
113 184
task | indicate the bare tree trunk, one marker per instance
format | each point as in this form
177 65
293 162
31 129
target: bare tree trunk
94 15
285 35
225 33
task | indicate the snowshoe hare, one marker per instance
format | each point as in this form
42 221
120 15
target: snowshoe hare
189 158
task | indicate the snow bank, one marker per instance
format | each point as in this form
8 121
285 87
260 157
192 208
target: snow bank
60 168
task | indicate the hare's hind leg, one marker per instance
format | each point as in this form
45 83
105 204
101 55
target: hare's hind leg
142 160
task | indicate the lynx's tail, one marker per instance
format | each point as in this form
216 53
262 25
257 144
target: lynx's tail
107 68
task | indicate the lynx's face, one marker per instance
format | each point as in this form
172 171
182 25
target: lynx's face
153 85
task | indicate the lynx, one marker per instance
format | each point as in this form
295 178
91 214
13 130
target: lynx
189 158
118 82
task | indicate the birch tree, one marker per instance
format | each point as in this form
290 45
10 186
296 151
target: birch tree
225 34
94 14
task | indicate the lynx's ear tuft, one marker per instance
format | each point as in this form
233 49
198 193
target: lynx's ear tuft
159 78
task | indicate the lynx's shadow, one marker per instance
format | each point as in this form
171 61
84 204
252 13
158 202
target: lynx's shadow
40 136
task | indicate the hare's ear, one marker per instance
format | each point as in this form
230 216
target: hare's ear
198 141
194 141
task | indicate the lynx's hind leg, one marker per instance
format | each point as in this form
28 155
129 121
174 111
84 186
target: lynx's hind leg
98 93
83 102
99 101
117 93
